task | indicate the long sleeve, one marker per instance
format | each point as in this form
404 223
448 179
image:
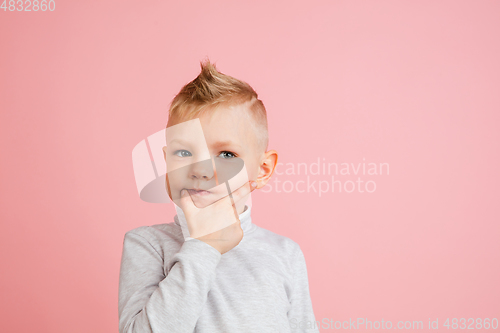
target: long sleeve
301 315
163 295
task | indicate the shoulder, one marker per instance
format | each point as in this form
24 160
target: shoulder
283 252
162 237
277 243
141 231
157 231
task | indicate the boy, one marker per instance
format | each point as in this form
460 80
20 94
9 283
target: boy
213 270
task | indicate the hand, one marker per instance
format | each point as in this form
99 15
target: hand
218 224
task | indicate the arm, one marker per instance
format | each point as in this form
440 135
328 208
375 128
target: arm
301 315
149 301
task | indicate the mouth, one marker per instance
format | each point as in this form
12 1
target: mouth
198 192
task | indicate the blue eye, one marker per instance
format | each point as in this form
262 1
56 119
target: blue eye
227 154
182 153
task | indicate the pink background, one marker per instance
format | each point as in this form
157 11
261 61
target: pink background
411 83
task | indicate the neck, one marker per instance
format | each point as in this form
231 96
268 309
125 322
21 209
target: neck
244 217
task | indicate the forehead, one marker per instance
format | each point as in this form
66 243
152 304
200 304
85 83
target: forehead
224 124
187 130
227 123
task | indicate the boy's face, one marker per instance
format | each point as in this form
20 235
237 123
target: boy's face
204 153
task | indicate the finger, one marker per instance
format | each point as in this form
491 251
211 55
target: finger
236 195
186 202
244 190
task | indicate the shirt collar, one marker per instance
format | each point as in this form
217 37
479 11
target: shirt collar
245 220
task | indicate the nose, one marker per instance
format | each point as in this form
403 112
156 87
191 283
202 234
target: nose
202 170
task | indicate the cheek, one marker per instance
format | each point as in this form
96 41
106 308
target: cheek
177 177
173 165
253 170
219 191
247 173
219 188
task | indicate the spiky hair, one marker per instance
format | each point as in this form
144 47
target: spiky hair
211 89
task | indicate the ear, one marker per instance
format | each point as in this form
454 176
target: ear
267 166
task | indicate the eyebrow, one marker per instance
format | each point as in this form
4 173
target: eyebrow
219 144
182 142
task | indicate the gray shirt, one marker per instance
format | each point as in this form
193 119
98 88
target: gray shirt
171 285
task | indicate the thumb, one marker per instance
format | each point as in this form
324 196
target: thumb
186 202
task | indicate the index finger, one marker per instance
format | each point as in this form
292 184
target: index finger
243 191
186 202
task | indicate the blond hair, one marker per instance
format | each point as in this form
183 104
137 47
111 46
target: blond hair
212 89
